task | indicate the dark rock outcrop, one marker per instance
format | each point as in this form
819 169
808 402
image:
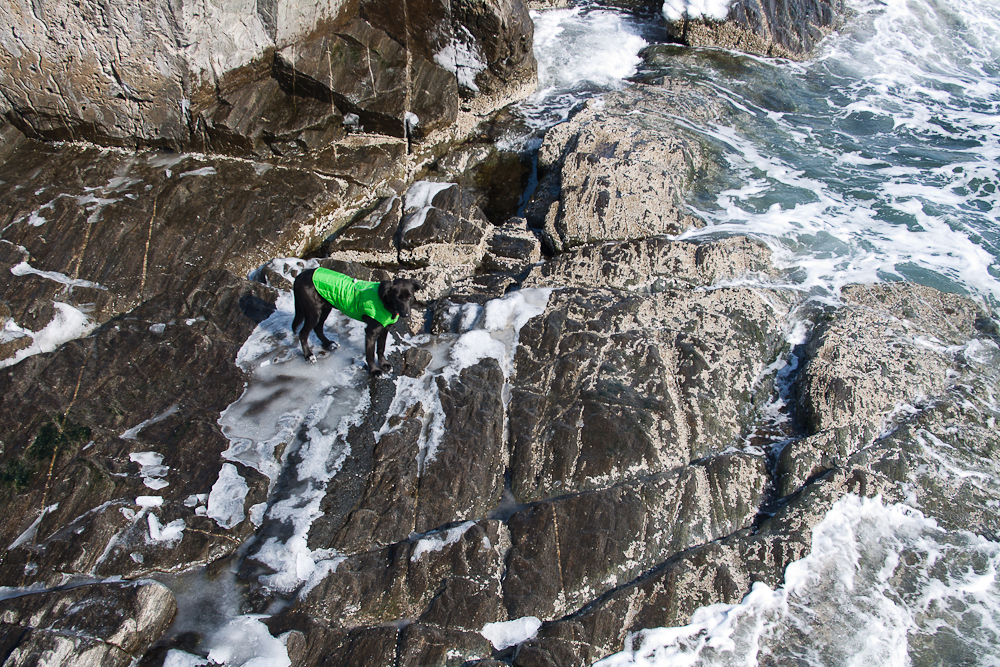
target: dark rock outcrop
783 29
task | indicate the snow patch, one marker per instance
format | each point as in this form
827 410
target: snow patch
676 10
510 633
25 269
462 58
133 432
68 324
417 202
29 534
246 641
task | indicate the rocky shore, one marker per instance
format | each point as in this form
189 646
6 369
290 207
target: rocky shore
654 425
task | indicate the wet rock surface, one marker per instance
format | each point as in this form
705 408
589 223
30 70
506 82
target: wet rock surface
784 29
590 426
620 168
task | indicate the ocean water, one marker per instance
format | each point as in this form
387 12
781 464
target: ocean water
877 160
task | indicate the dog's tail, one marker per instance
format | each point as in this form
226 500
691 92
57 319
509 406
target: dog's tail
299 317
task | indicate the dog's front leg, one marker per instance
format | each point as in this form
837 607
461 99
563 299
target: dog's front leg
382 363
374 341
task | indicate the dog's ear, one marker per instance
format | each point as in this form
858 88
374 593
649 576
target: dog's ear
417 285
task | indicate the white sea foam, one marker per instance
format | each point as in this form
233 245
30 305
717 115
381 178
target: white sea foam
882 585
886 168
581 52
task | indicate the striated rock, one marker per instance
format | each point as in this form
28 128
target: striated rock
654 264
620 168
284 77
610 387
718 572
128 413
785 29
492 52
412 580
569 551
411 490
97 624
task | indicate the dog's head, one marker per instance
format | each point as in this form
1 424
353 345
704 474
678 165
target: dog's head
397 295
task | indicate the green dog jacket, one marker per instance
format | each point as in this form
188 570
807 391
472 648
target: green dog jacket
355 298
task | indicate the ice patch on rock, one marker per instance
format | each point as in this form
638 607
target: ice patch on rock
225 502
417 202
133 432
29 533
68 324
25 269
169 534
178 658
438 540
151 466
462 58
246 641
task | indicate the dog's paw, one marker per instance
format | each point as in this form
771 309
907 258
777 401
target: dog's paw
312 358
377 373
331 346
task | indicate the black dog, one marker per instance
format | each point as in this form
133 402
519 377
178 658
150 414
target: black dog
378 305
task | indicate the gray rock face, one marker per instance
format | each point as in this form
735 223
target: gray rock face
611 387
569 551
887 348
783 29
654 264
619 169
264 80
99 624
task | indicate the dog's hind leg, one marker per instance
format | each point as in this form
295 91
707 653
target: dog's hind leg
318 329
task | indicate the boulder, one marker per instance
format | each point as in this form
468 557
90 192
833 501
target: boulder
620 168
